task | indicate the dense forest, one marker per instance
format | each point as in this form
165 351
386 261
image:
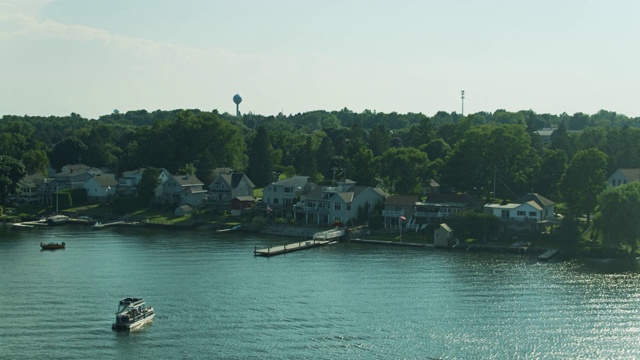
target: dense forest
495 155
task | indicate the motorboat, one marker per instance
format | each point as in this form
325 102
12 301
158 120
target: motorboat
132 314
52 246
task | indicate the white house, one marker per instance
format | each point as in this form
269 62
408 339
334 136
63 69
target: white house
75 176
342 203
100 188
528 211
128 182
285 191
184 190
624 176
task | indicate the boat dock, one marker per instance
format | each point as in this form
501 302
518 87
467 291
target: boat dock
320 238
548 254
30 224
100 225
282 249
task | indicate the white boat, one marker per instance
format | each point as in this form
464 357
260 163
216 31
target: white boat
132 313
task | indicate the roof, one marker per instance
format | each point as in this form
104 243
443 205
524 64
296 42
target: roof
245 198
511 206
631 174
292 181
446 227
402 200
187 180
539 199
443 198
234 179
105 181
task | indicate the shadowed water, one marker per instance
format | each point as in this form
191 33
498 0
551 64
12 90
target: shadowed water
214 299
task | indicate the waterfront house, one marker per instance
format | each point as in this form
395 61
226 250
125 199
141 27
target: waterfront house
129 181
278 197
343 203
34 189
100 188
524 216
439 207
624 176
396 207
74 176
183 190
227 186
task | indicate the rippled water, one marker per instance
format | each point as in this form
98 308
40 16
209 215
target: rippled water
214 299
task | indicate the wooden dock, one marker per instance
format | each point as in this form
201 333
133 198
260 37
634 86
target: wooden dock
30 224
548 254
100 225
282 249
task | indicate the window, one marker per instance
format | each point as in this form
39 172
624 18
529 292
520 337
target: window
337 206
532 213
349 207
521 213
287 190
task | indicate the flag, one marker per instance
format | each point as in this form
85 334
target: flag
403 218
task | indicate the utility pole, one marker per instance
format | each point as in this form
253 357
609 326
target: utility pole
462 97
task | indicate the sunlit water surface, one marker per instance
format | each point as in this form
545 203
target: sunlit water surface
214 299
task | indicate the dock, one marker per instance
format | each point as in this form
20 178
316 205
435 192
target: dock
548 254
100 225
30 224
282 249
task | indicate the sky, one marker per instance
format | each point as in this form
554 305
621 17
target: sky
92 57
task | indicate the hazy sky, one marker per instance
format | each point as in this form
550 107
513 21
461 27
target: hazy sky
93 56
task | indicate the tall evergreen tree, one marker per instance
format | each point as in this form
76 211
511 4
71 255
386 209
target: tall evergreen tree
324 157
260 169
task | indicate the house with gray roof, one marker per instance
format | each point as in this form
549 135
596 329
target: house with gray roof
183 190
227 186
624 176
343 203
398 206
100 188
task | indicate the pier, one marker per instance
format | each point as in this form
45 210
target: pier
320 238
548 254
30 224
100 225
282 249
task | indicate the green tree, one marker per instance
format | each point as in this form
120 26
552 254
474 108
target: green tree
260 169
69 151
35 161
379 139
148 184
11 172
488 152
553 166
363 168
404 169
617 219
324 157
584 180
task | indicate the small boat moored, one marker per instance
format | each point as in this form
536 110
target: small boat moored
52 246
132 313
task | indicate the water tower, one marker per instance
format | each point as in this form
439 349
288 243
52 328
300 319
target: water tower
237 99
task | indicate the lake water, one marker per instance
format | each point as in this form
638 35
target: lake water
214 299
